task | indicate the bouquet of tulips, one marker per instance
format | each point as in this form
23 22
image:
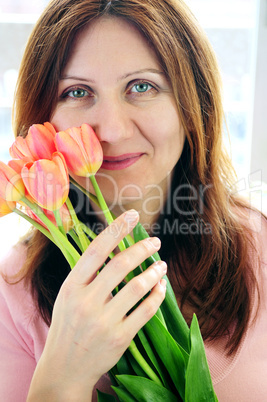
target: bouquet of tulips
166 360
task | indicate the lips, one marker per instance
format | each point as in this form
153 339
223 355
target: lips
120 161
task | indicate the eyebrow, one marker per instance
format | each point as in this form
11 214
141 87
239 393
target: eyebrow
144 70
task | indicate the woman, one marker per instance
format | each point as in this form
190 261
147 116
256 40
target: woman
143 75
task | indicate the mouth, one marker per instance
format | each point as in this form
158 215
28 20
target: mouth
121 161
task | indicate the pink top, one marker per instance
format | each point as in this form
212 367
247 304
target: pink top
241 377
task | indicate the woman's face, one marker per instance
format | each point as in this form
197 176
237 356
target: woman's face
114 82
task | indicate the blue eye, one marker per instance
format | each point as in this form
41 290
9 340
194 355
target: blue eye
77 93
141 87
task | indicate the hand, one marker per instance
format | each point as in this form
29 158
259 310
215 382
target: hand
90 329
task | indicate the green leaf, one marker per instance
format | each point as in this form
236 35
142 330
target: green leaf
145 390
112 375
102 397
123 394
135 366
198 381
154 358
140 233
123 366
173 317
168 351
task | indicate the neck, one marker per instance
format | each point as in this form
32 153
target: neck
149 208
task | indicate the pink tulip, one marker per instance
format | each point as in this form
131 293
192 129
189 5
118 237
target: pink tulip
18 164
38 144
11 184
6 207
64 214
47 181
81 149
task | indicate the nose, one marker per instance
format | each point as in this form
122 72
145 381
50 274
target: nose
111 121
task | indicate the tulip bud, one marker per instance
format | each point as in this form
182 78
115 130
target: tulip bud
38 144
64 214
11 184
17 164
6 207
47 181
81 149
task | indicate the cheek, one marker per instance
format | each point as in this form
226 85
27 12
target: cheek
167 137
64 118
163 126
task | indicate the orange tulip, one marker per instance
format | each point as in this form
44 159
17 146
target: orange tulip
38 144
81 149
64 214
11 184
47 181
6 207
18 164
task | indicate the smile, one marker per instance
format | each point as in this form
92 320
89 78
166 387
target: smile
121 161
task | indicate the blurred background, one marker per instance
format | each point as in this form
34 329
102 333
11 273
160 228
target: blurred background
237 30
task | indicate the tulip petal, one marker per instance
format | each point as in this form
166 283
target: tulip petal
47 181
11 184
73 152
40 139
38 144
19 149
64 214
17 164
6 207
81 149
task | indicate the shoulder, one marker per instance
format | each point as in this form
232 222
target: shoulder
255 230
241 375
12 289
19 315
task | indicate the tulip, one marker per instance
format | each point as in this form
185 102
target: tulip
81 149
18 164
6 207
64 214
11 184
38 144
47 181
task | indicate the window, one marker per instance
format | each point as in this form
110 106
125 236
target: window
237 30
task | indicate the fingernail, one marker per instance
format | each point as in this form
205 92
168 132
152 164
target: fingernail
131 216
163 284
162 265
155 241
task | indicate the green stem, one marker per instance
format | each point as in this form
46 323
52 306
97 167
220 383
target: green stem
76 239
104 207
45 232
78 226
89 232
91 196
143 363
60 239
101 200
59 222
35 224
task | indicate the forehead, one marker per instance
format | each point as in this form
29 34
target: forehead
110 39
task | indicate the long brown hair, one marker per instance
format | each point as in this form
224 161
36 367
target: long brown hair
209 269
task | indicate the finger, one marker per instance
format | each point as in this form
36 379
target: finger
100 248
137 288
146 310
125 262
